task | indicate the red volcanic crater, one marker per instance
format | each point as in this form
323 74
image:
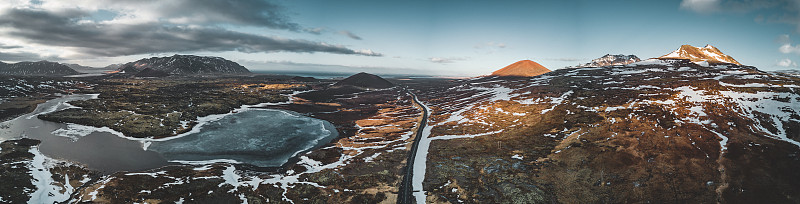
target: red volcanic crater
523 68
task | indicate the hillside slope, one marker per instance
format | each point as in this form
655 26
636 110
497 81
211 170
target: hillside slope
654 131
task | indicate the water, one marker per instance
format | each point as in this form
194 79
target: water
262 137
101 151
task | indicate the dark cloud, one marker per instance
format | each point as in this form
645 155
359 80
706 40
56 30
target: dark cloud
350 35
98 39
3 46
260 13
779 11
24 56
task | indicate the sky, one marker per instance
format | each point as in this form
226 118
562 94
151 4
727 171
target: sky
444 37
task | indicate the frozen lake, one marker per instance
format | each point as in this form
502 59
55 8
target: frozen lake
261 137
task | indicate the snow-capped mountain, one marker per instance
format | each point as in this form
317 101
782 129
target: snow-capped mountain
610 60
40 68
697 54
186 64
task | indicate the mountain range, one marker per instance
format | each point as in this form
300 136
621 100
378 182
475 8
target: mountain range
40 68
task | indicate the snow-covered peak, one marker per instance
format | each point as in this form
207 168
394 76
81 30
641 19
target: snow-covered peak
698 54
610 60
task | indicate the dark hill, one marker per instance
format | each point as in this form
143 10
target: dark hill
40 68
365 80
185 65
353 84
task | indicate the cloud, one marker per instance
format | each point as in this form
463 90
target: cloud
701 6
786 45
368 52
788 48
261 13
350 35
706 6
786 63
25 56
4 46
565 59
316 31
773 11
490 45
62 28
446 60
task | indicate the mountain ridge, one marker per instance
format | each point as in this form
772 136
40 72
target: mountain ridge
40 68
185 65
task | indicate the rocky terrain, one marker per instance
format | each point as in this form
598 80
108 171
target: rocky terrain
789 73
20 94
363 165
184 65
161 108
653 131
611 60
30 177
40 68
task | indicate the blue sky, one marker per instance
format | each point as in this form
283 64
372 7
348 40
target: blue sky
448 37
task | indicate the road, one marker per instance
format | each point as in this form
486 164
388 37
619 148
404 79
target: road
405 195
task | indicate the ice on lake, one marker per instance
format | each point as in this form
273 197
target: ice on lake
261 137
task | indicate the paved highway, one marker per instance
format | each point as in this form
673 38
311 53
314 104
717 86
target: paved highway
405 195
